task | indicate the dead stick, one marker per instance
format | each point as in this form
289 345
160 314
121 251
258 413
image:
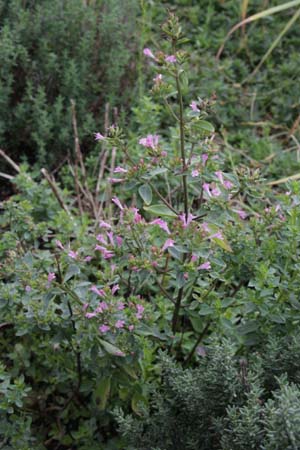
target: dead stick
55 190
10 161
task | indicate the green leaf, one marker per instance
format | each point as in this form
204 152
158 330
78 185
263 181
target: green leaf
102 392
223 244
71 272
158 171
205 126
145 192
160 210
135 401
110 348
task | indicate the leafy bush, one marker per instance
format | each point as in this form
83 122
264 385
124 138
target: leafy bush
170 246
54 52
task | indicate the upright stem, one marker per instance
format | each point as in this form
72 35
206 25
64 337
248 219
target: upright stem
182 146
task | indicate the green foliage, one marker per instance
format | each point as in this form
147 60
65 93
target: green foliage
54 52
219 404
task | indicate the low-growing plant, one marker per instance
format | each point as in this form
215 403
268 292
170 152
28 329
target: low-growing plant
221 404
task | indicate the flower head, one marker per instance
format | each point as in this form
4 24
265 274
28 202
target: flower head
104 328
148 52
51 277
120 323
72 254
150 141
167 244
205 266
117 202
162 224
194 106
99 137
170 59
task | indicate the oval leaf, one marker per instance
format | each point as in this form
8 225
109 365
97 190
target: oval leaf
160 210
205 126
145 192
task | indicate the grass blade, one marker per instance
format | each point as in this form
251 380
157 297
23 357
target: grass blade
257 16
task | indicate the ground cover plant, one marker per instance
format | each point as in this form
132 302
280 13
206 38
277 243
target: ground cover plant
170 275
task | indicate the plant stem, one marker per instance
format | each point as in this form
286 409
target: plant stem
182 145
201 336
177 309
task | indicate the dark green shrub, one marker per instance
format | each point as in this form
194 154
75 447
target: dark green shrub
221 404
54 51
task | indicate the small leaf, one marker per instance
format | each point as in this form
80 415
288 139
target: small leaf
145 192
102 392
223 244
205 126
71 272
110 348
135 401
160 210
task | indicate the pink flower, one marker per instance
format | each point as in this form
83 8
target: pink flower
206 188
215 192
88 258
59 244
158 79
121 306
117 202
151 141
170 59
51 277
137 217
241 213
120 170
120 323
219 175
99 137
186 222
119 241
28 288
104 328
90 315
131 327
204 158
140 310
186 276
101 239
105 253
194 106
167 244
195 173
97 291
101 307
205 266
205 227
110 235
103 224
228 184
115 180
148 52
162 224
115 288
72 254
194 258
